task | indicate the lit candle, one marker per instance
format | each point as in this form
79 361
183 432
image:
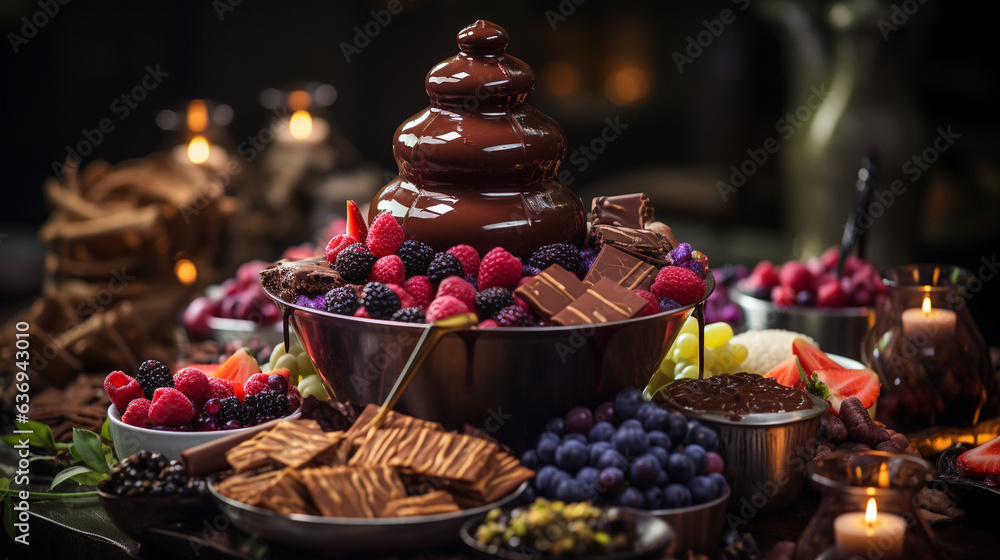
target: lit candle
935 324
200 151
302 128
870 534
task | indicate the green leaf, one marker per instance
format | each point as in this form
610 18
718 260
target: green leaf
4 487
87 445
88 478
77 458
106 430
40 436
8 517
813 384
69 473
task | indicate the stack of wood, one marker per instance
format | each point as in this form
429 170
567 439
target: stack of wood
129 245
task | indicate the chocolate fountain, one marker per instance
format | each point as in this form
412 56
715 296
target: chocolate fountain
478 166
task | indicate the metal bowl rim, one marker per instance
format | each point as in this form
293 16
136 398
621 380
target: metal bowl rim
114 418
689 509
746 300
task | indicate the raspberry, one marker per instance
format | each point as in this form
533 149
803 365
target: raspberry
355 263
385 235
522 304
388 270
490 301
420 288
416 257
514 316
268 404
445 306
255 384
795 276
122 389
442 266
468 256
361 312
294 399
679 284
169 406
489 324
652 307
219 389
563 254
829 258
342 300
137 413
410 315
499 268
829 294
337 244
764 275
522 281
405 299
152 375
455 286
231 408
378 300
782 296
192 382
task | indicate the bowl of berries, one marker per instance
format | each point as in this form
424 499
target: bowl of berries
811 298
168 412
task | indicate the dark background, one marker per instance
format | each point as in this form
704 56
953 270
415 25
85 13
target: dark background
684 132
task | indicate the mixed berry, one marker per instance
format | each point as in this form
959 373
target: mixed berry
148 473
816 283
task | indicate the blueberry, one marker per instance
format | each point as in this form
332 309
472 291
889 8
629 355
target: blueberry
644 471
554 482
547 449
697 454
645 409
594 451
676 496
627 403
660 439
631 441
605 412
661 454
544 476
659 419
611 480
714 463
570 490
702 489
654 497
631 424
575 437
631 498
719 481
530 459
706 437
611 458
663 479
680 467
571 455
579 420
557 426
601 431
678 428
692 424
278 383
587 475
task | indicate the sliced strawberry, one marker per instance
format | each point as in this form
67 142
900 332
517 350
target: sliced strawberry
356 226
786 373
843 383
237 368
209 369
981 461
812 358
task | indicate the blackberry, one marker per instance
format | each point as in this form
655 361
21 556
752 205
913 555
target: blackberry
355 263
230 408
528 270
150 473
153 375
379 300
563 254
587 258
416 257
490 301
342 300
267 405
410 315
444 265
514 316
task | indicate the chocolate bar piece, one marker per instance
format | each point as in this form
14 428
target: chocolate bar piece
626 270
431 503
248 455
287 279
428 452
552 290
508 474
645 241
352 491
248 487
625 210
604 302
664 230
287 495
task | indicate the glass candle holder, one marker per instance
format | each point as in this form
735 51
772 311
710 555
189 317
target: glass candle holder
875 484
933 362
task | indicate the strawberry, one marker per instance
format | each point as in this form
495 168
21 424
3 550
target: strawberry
445 306
795 276
679 284
122 390
137 413
764 275
169 406
786 373
356 226
782 296
468 256
829 293
385 235
652 307
980 461
388 270
842 383
192 382
238 368
455 286
419 287
337 244
812 358
498 268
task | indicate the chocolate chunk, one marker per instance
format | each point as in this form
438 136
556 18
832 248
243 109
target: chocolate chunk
248 487
644 241
664 230
288 279
428 452
287 495
625 210
604 302
352 491
431 503
552 290
626 270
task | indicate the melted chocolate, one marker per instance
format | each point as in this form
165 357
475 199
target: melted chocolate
479 166
738 394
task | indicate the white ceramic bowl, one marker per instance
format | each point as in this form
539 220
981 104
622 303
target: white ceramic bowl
130 439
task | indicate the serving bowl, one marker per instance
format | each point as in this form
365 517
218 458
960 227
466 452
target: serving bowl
131 439
698 527
501 380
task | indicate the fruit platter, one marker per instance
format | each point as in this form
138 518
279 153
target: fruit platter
477 362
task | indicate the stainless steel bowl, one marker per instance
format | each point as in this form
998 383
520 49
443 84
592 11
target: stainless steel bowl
765 454
697 528
504 381
837 330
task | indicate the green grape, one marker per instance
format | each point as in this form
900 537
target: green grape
276 353
306 367
659 380
717 334
288 361
740 352
682 365
709 360
295 349
689 372
690 326
725 358
313 386
687 345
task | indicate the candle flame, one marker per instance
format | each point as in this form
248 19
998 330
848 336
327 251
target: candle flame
300 125
186 271
927 305
198 149
197 115
871 512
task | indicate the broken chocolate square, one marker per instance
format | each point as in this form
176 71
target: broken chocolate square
624 269
551 290
604 302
